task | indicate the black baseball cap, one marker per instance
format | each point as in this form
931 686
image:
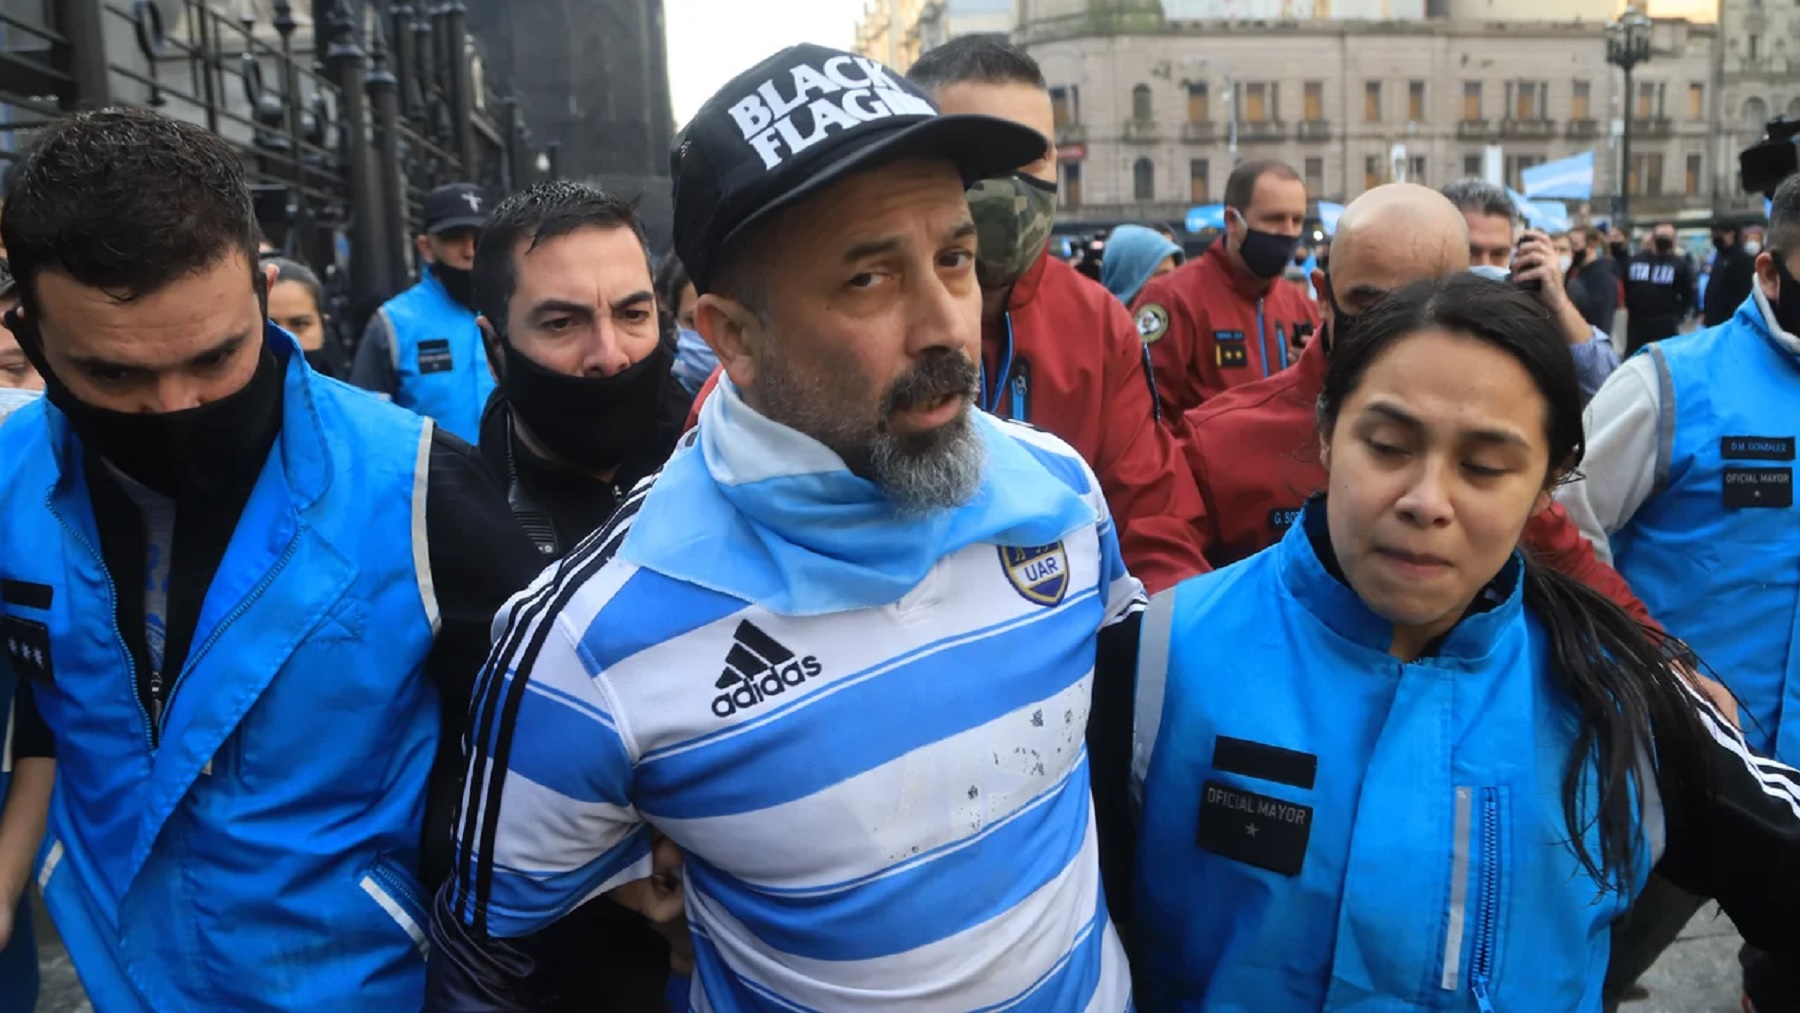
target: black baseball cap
455 206
802 120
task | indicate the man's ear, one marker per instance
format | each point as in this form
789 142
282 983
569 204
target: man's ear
490 343
735 334
423 243
269 273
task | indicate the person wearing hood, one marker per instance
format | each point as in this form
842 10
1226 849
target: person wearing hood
586 405
1135 255
422 349
1733 274
1688 488
1221 321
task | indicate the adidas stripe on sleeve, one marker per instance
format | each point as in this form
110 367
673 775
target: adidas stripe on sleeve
542 737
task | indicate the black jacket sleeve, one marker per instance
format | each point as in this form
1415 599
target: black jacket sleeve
480 557
1109 736
1735 836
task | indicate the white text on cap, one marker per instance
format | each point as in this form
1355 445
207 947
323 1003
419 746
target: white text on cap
764 114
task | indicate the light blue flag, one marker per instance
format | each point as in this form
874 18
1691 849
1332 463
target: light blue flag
1206 216
1329 214
1569 178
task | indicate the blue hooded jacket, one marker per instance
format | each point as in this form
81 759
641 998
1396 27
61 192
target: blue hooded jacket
1132 253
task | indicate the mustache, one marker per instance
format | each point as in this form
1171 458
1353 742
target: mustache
942 373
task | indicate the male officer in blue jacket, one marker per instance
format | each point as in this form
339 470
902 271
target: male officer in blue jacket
422 348
1689 492
242 596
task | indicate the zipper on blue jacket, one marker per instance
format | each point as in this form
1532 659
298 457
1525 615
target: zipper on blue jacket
1481 961
118 634
1262 337
224 624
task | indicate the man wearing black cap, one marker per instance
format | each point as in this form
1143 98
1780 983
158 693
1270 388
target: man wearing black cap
834 661
422 348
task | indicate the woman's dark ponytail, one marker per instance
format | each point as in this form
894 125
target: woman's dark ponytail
1626 681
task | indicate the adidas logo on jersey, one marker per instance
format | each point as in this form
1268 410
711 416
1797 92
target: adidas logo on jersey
757 668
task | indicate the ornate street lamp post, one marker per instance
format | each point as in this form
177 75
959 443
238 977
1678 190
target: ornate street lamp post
1627 46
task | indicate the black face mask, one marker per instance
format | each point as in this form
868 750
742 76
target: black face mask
1341 322
322 362
1664 244
591 424
185 455
1620 251
1266 254
1786 304
460 283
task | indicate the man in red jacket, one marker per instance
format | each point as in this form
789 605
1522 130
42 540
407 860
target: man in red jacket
1058 350
1254 450
1225 318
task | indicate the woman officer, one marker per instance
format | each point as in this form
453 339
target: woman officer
1392 764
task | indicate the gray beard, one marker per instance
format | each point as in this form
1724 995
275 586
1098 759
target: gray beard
938 470
919 473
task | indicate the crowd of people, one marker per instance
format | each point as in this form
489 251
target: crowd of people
858 608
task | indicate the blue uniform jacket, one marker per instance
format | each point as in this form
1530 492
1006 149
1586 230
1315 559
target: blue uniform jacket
1715 551
263 854
440 369
1326 828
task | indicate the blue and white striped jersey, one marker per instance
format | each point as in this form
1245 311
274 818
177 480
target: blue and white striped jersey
880 808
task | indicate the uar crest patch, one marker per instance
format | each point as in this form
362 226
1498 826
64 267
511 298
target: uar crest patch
1039 573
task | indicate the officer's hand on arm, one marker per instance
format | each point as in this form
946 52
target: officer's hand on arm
1536 262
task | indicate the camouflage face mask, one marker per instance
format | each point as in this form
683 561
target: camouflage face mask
1013 215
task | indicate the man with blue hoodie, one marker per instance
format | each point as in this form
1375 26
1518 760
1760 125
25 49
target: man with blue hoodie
243 597
1134 255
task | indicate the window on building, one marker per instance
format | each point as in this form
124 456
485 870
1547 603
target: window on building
1373 174
1694 165
1143 180
1471 101
1645 108
1372 102
1471 166
1646 177
1199 105
1755 44
1257 107
1071 185
1200 181
1062 107
1756 113
1415 101
1516 166
1528 100
1315 176
1140 103
1415 170
1315 101
1696 100
1578 102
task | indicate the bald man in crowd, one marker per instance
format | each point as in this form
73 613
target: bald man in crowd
1254 450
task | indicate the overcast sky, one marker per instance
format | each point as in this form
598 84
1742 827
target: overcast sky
710 41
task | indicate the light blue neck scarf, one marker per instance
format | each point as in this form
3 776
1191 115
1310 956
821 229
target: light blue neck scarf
764 513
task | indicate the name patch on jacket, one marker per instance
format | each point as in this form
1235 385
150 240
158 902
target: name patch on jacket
1254 829
27 645
1229 350
26 595
434 356
1264 762
1747 488
1756 448
1281 520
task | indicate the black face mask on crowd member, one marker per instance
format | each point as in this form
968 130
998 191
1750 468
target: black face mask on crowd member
459 282
1341 322
592 424
193 453
1621 251
1786 304
1665 244
1265 254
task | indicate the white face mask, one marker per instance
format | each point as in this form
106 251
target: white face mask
12 400
1753 247
1565 261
